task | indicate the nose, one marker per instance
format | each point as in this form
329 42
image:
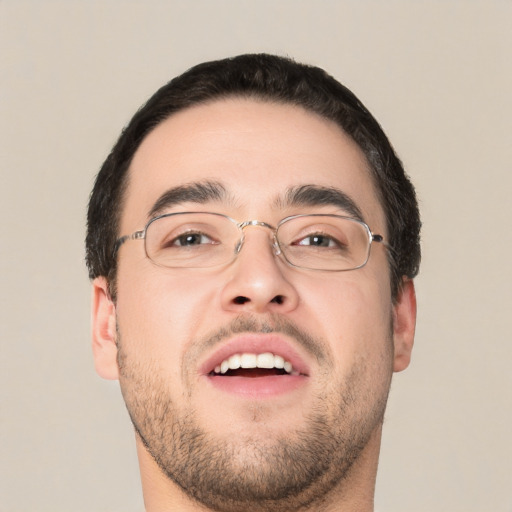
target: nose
257 281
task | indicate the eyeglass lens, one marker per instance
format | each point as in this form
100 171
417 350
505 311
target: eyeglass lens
201 240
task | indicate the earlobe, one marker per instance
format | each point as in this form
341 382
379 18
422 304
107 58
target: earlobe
404 324
104 330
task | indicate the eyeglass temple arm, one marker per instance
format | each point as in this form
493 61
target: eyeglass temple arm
134 236
380 239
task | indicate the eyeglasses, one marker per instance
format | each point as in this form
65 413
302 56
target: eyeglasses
203 240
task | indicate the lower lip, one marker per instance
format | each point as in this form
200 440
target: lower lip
258 387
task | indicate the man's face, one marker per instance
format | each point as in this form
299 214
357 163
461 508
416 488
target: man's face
253 436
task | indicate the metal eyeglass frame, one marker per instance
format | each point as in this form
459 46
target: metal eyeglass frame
141 235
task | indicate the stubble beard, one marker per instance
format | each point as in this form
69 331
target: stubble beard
292 471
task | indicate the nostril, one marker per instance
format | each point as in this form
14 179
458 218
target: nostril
278 299
240 300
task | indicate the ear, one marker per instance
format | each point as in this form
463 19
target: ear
104 346
404 324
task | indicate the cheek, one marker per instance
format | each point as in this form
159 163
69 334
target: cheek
159 311
353 313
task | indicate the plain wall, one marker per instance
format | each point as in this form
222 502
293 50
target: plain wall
437 74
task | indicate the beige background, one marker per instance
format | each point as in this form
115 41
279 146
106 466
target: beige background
437 75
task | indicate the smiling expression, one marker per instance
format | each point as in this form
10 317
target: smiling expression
254 354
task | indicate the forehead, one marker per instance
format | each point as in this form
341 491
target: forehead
256 150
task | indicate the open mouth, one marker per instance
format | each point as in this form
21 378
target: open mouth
256 366
253 366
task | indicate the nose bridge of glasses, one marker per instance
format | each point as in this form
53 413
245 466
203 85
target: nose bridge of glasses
259 224
243 225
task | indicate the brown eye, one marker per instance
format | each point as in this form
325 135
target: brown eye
318 241
191 239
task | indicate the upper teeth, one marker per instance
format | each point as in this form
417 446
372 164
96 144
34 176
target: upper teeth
265 360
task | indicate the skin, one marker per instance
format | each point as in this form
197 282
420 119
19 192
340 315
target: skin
153 337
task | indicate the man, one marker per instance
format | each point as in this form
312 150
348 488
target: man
252 240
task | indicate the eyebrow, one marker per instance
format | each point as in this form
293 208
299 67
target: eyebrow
314 195
200 192
214 191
